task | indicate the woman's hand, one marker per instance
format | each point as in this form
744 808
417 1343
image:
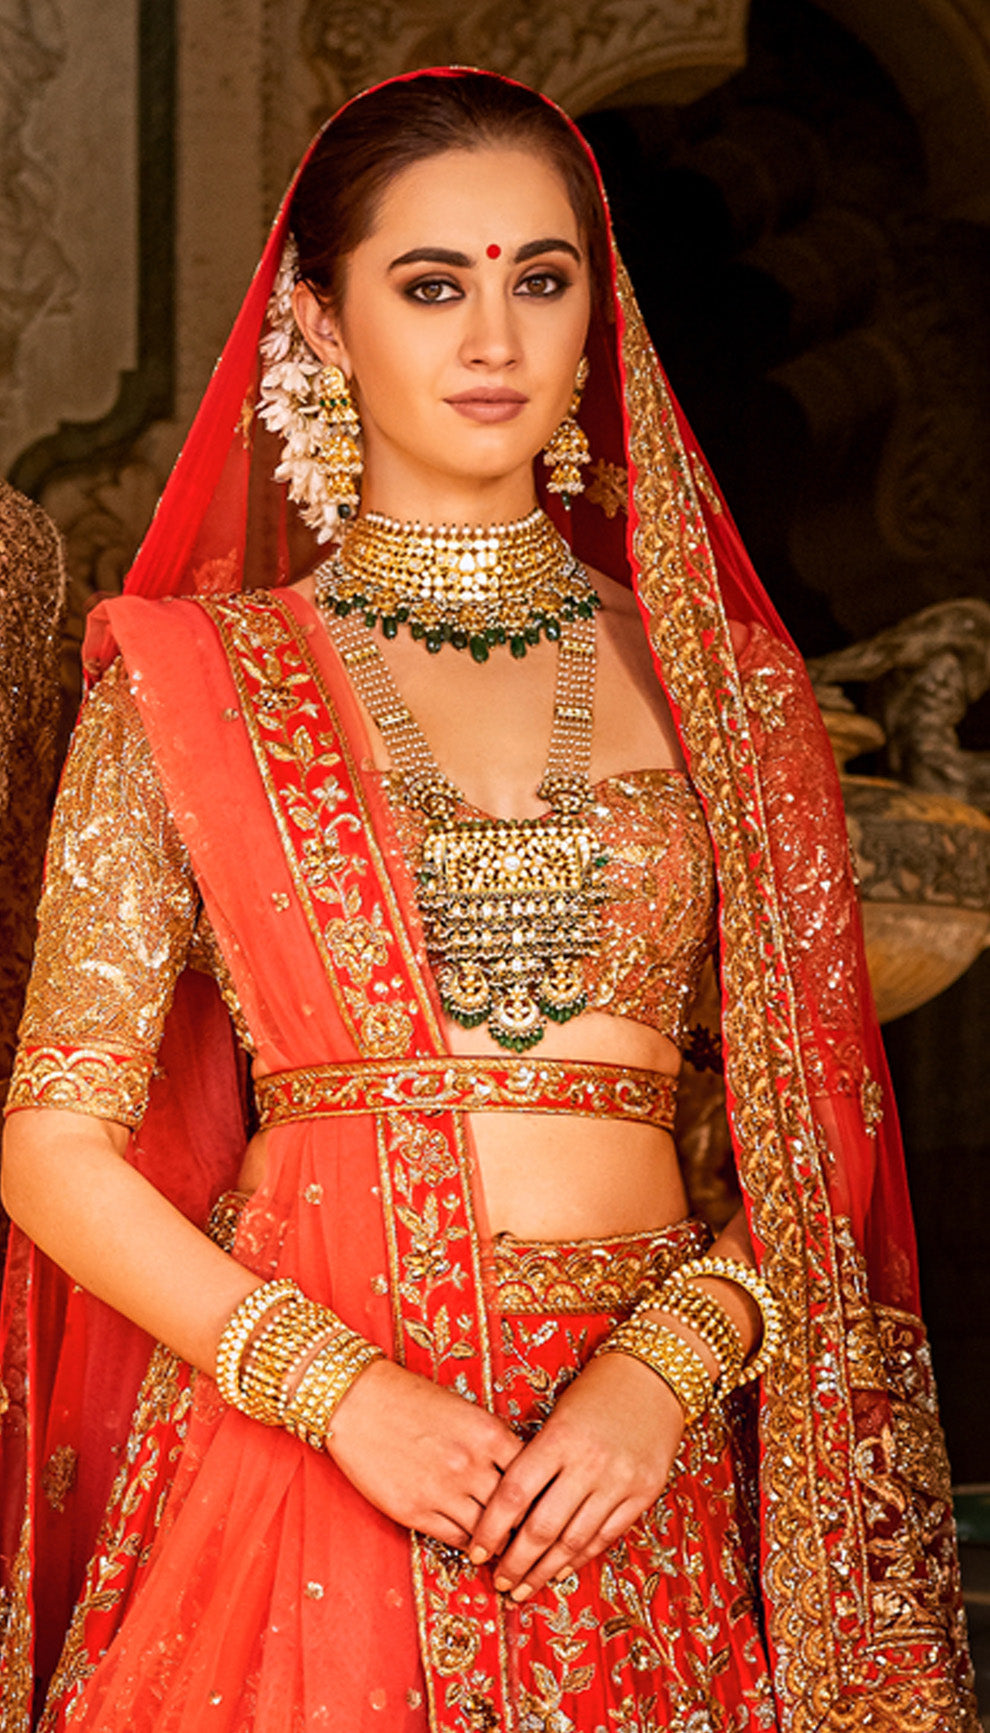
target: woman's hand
422 1455
600 1461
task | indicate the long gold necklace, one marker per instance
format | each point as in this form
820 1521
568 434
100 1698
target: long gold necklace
469 587
508 904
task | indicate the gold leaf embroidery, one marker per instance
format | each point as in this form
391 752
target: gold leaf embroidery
58 1476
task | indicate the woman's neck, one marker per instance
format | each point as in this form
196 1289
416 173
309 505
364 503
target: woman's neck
445 499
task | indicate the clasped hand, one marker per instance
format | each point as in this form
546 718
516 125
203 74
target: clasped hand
446 1467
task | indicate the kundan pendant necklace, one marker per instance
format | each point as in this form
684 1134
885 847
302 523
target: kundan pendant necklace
508 904
472 588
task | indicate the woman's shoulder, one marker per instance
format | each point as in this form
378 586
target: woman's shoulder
153 627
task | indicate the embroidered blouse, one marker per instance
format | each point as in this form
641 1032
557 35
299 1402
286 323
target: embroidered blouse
121 916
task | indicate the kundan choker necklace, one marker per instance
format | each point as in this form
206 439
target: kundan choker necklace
509 905
469 587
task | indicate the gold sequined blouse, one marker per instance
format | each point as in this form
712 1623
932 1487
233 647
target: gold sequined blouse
121 916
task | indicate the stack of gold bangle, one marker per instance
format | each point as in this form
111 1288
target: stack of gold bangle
730 1270
673 1359
669 1356
287 1361
702 1313
279 1352
325 1383
239 1330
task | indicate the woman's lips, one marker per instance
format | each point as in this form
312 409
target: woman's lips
488 405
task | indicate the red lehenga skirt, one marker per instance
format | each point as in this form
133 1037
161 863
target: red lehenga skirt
222 1580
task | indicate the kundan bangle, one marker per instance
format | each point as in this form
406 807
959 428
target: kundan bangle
278 1353
325 1383
669 1356
701 1312
239 1329
285 1360
731 1270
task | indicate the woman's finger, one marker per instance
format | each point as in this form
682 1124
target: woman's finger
618 1523
505 1448
520 1486
463 1510
482 1485
439 1526
559 1527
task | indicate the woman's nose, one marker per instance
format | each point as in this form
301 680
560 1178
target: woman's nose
491 336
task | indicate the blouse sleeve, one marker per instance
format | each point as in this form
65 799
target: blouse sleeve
115 923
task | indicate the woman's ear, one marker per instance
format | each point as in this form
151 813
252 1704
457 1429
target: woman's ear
320 327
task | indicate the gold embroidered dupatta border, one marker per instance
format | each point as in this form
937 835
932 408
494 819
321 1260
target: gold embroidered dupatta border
830 1668
440 1322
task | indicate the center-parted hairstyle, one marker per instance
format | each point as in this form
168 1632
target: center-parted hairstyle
386 131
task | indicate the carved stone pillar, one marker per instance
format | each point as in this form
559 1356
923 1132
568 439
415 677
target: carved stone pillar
30 602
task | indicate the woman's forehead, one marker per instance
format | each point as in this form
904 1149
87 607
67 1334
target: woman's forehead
501 194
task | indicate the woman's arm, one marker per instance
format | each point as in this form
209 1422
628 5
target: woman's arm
66 1184
423 1455
603 1456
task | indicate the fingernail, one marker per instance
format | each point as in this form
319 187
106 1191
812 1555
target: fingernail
478 1555
503 1585
522 1593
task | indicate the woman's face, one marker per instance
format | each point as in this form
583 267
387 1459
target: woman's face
464 318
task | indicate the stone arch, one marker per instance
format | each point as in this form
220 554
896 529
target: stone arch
938 54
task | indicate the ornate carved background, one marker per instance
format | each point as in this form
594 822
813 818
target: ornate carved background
35 274
582 55
71 93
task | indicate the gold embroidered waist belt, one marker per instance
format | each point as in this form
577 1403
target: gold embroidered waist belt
468 1085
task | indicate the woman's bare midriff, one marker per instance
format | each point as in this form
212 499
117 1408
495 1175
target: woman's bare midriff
560 1176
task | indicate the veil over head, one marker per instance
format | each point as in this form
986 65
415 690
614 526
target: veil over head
857 1582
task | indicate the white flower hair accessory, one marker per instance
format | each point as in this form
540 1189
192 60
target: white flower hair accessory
289 404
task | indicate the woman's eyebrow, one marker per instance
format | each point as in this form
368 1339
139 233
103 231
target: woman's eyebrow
445 255
431 256
550 244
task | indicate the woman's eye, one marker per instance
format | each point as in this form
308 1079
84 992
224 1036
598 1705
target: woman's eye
433 290
542 284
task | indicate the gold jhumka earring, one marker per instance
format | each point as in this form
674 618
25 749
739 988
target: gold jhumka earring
336 433
567 450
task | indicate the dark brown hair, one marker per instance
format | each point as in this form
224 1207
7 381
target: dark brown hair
381 134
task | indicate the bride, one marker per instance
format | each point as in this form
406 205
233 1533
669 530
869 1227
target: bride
472 742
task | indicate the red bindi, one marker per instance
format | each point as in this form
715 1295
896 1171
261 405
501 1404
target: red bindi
494 251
